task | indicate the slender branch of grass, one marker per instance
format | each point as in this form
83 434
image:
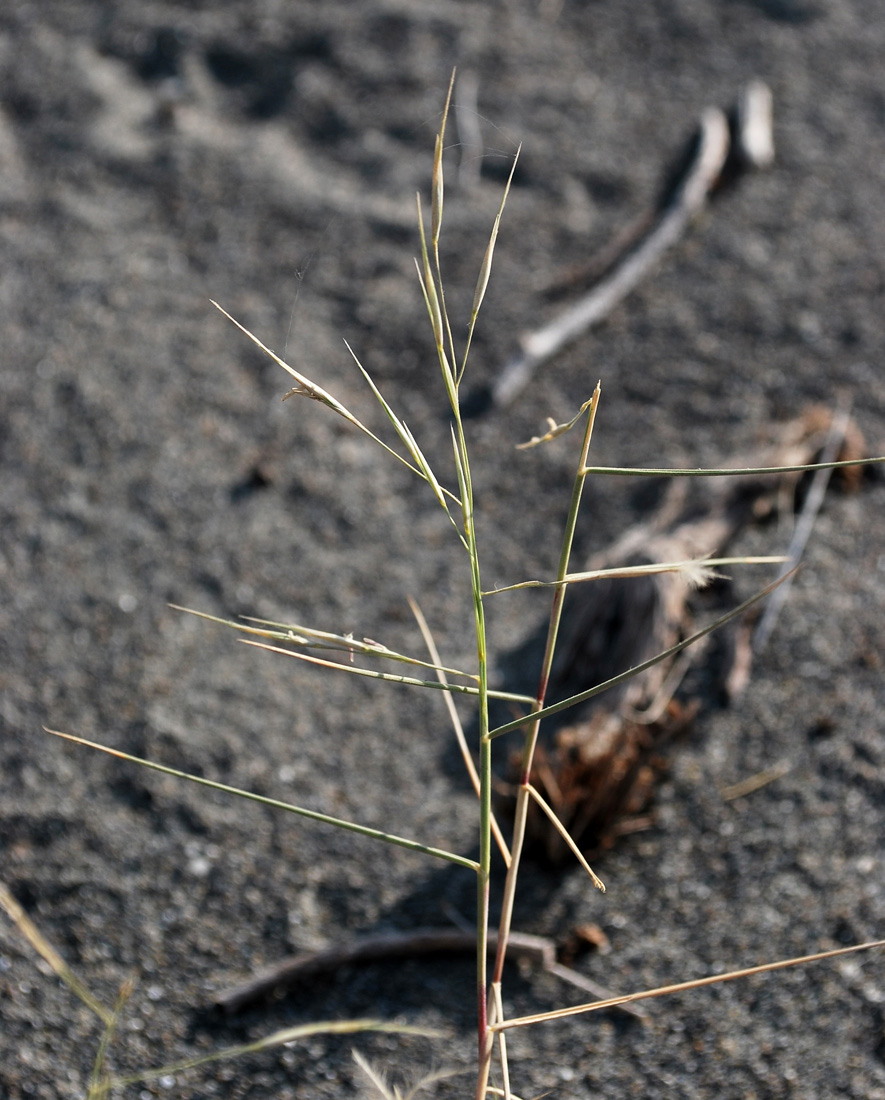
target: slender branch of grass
697 571
531 739
408 439
485 746
320 639
47 952
99 1085
431 300
562 573
636 471
277 1039
437 187
311 815
307 388
564 833
485 774
680 987
582 696
437 193
486 269
502 1040
456 724
390 677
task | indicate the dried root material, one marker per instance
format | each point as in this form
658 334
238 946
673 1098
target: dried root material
599 773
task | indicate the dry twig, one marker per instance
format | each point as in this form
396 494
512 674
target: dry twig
716 153
536 950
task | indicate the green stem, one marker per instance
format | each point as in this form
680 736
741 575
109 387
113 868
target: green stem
312 815
522 798
628 471
465 484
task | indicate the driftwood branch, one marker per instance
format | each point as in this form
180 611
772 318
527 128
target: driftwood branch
522 947
719 151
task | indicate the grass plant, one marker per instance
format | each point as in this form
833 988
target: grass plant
343 653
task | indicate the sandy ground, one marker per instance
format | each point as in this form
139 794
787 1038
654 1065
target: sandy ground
154 155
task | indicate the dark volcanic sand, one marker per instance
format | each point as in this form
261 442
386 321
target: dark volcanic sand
266 154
